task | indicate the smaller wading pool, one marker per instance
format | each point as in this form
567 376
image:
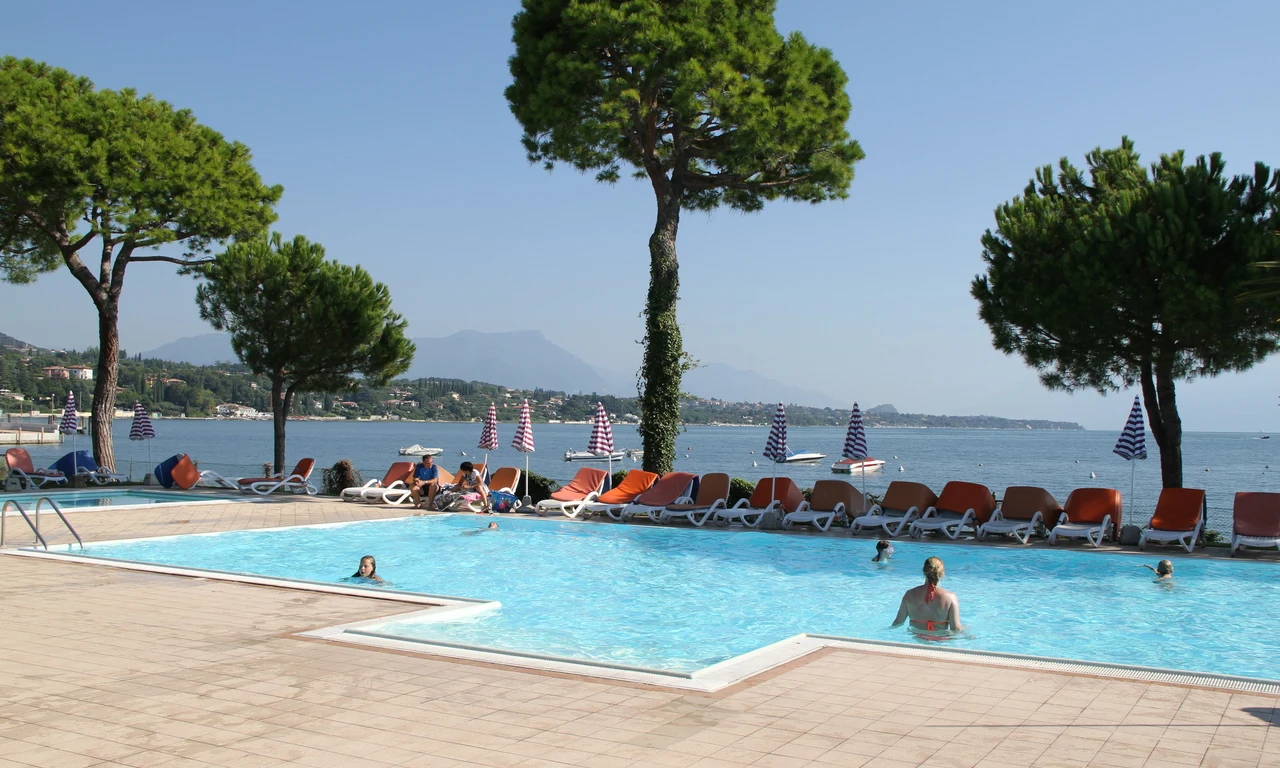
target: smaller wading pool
116 498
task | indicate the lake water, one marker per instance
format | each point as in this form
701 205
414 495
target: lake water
1058 461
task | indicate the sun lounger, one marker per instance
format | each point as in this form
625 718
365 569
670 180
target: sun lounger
1255 521
1022 512
670 488
713 494
296 481
585 486
19 462
506 480
82 465
831 500
1090 514
636 482
962 505
391 488
1179 518
903 502
770 495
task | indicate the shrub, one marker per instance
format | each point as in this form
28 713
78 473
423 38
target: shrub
340 475
540 487
807 493
617 478
740 489
1213 538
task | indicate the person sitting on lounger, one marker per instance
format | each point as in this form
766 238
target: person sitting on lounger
425 481
468 485
1163 570
930 608
884 551
368 570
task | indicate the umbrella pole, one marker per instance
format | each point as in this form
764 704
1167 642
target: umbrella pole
1133 465
527 501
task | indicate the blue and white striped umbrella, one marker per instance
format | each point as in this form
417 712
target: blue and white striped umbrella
70 423
1133 440
855 440
141 428
775 449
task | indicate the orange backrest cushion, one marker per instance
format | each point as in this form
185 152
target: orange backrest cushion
828 493
1178 509
635 483
18 458
399 472
443 477
902 495
713 486
1090 505
669 487
781 489
505 477
184 473
1021 502
959 496
1257 514
586 482
304 468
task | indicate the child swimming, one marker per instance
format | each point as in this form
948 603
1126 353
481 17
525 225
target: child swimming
884 551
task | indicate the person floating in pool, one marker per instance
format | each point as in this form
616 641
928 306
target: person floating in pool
884 551
930 608
368 570
478 531
493 526
1163 570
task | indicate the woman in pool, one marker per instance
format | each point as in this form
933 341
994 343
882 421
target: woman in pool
1163 570
884 551
930 608
368 569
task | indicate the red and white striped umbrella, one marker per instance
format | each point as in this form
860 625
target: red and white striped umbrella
489 435
523 442
601 442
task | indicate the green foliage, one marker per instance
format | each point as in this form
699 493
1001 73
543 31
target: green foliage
740 489
1131 276
341 475
306 323
124 172
704 99
540 488
617 478
1214 538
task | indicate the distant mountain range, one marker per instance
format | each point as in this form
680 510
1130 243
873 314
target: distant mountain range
528 360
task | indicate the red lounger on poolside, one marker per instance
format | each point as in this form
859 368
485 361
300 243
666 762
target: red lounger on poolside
1088 514
1255 521
20 464
1022 510
903 502
771 494
961 505
1179 518
585 486
634 483
669 489
296 481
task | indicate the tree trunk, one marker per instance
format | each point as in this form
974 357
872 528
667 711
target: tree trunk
663 364
1161 403
105 377
279 414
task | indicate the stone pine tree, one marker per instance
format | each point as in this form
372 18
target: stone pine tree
706 101
1131 275
307 323
96 180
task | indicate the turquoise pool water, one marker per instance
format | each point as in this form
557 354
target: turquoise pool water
104 497
680 599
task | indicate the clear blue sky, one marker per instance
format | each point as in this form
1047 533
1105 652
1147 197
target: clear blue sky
386 124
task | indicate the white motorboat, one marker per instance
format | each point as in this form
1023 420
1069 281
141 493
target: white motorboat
803 458
417 450
849 466
589 456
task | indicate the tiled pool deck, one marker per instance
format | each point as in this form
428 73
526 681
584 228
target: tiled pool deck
102 666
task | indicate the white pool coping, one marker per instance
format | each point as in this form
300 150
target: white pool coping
195 500
708 679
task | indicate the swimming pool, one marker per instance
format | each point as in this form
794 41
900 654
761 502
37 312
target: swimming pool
682 600
109 497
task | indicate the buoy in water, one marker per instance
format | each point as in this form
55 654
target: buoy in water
686 455
902 468
755 464
1092 474
464 453
979 463
1206 469
1077 461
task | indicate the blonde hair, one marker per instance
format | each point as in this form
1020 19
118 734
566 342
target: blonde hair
933 570
1164 567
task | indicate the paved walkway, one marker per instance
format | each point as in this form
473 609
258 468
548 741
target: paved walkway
100 666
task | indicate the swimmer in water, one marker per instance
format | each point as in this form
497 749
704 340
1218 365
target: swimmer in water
477 531
492 527
368 569
929 607
884 551
1163 570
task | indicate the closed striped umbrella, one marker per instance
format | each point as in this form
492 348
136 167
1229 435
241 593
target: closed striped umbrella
776 448
489 435
141 429
855 440
601 442
1133 439
70 425
523 442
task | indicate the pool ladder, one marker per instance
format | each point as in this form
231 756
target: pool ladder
35 526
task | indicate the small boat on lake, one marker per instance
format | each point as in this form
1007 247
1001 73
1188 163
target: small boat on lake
849 466
803 458
589 456
417 450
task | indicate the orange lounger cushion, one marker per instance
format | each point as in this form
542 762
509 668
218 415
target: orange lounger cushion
828 493
586 482
959 496
1022 502
635 483
780 489
1257 515
1178 509
713 487
904 494
1091 505
398 473
669 487
185 474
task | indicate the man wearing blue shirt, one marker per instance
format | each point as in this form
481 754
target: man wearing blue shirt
425 481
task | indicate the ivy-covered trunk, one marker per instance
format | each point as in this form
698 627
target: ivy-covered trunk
105 377
661 370
1161 403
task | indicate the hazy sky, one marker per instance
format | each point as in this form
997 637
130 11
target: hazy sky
386 124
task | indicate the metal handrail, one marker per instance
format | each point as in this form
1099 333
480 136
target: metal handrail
61 517
34 529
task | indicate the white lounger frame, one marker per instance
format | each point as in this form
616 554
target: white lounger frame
1021 529
36 479
892 524
293 483
950 523
1186 539
1093 532
698 515
822 519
